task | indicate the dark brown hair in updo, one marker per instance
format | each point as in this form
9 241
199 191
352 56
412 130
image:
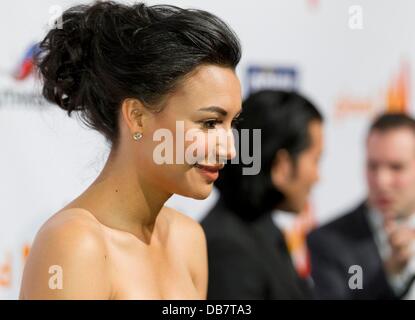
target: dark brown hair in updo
106 52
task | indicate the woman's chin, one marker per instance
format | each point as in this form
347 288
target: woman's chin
199 192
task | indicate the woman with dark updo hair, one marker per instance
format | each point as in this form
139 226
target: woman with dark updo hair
133 72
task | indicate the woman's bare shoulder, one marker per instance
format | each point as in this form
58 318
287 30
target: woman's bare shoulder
71 242
73 219
71 228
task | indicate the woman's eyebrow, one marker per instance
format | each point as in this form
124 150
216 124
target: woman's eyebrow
214 109
217 109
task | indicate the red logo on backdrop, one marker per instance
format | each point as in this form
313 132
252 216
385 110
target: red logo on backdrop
26 65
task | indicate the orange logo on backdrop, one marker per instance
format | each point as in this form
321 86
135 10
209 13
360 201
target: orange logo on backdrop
6 271
6 268
394 99
398 91
25 252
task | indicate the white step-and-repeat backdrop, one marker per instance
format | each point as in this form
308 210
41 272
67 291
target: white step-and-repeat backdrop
352 58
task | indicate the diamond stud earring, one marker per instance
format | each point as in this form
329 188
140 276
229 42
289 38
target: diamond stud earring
137 136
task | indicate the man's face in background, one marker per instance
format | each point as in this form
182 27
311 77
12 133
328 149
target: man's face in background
296 181
390 171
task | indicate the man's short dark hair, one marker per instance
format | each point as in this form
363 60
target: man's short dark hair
392 121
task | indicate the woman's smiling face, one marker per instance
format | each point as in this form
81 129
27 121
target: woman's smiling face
193 132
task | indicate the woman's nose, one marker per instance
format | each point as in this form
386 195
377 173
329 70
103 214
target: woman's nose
226 146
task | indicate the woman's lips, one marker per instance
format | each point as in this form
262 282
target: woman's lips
210 172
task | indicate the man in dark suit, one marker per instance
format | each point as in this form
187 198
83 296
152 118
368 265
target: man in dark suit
247 253
249 261
368 253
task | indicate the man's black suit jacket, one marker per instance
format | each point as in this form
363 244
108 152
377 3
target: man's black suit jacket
249 260
337 246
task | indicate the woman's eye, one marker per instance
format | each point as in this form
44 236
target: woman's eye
210 124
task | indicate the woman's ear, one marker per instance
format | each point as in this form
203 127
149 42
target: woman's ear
133 113
281 169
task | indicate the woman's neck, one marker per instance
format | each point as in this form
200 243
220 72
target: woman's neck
122 199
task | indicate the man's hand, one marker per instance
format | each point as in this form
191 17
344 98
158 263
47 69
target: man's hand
401 238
